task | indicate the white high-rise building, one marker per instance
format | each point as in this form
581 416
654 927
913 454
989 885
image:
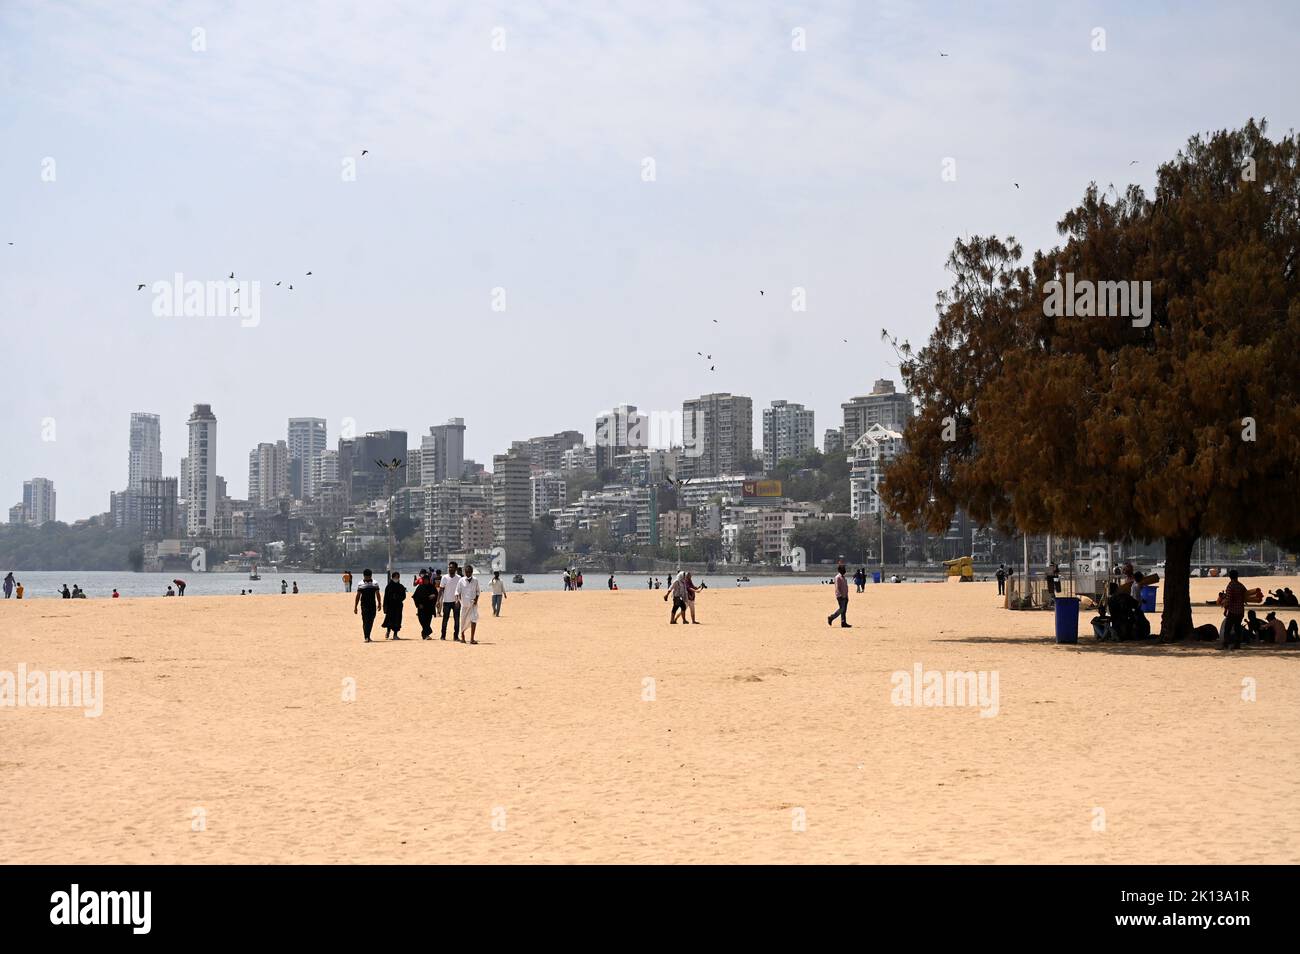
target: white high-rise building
307 441
867 459
268 473
549 491
38 501
325 469
145 458
201 494
787 433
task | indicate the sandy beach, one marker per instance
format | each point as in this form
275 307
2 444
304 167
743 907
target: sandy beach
586 729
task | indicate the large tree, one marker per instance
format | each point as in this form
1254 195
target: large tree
1114 427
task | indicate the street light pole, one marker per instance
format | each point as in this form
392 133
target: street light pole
390 470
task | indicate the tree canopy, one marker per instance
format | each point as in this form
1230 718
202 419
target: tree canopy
1173 424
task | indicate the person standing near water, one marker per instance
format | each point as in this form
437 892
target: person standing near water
347 581
369 601
9 584
498 592
842 598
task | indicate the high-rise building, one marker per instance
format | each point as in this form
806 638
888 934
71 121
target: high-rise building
617 432
145 455
833 440
201 494
268 473
17 514
38 501
369 480
547 453
307 441
717 434
446 504
325 469
512 498
787 433
446 445
884 406
868 456
548 491
158 508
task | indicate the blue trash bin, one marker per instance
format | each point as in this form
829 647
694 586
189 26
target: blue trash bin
1067 619
875 576
1148 599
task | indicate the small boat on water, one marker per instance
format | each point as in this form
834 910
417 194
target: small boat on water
742 579
518 578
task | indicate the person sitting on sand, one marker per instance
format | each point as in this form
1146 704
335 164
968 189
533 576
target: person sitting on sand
1274 630
1124 614
1255 626
170 591
77 592
67 593
394 603
295 586
115 594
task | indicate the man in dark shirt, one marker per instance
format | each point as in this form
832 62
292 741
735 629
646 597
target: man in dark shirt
368 601
1234 608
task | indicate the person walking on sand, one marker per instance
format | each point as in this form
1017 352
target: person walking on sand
347 581
394 603
498 588
437 592
469 590
9 584
677 590
369 600
691 590
425 598
450 606
841 597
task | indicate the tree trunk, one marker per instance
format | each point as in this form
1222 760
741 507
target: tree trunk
1176 620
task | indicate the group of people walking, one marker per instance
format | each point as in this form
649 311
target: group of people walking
453 596
682 590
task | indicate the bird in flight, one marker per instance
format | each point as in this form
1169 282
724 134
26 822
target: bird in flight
232 274
1133 163
11 243
277 284
138 287
760 291
942 53
715 321
1016 184
309 273
364 151
713 367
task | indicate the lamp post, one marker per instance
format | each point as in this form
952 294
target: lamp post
390 470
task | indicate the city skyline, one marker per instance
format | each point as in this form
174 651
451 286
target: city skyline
811 173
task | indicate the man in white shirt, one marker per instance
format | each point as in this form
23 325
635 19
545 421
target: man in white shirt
498 587
469 590
450 600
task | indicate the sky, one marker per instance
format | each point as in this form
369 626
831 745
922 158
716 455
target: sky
505 252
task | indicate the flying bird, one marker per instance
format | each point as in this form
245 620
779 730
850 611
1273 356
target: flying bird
236 291
713 367
760 291
277 284
232 274
1133 163
364 151
309 273
138 287
942 53
715 321
709 357
290 288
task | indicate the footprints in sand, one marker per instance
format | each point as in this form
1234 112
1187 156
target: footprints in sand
758 674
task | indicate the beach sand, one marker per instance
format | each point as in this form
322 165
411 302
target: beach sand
539 746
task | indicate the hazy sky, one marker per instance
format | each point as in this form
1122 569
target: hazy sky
522 169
